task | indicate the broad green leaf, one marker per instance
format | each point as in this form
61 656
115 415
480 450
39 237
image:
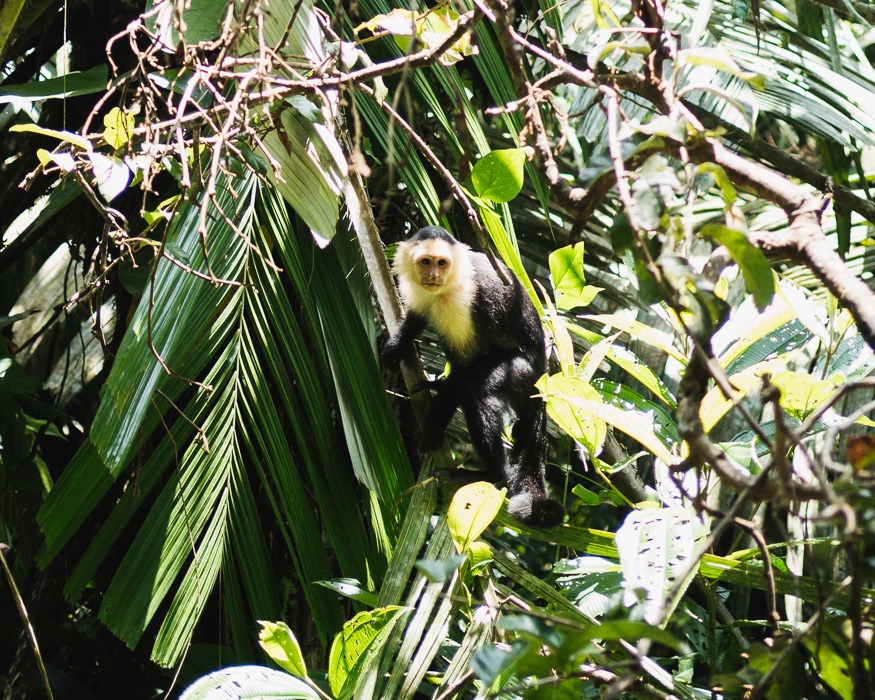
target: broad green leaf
281 645
788 683
479 555
759 280
575 407
498 176
656 548
199 18
566 271
69 85
490 660
831 650
349 651
473 508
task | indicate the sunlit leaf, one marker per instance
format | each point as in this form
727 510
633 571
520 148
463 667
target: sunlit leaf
801 393
759 280
111 173
351 646
72 84
66 136
498 176
249 683
656 549
566 271
281 645
118 127
719 58
575 407
473 508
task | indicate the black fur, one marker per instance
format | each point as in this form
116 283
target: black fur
495 376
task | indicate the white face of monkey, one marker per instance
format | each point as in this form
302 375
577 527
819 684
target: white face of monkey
429 263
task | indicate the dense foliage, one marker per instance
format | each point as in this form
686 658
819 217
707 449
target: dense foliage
203 468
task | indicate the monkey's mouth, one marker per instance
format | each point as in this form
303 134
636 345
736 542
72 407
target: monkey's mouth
432 285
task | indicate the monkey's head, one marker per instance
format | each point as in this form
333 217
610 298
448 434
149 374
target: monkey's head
428 259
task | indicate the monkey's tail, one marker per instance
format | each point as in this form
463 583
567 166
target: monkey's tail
536 509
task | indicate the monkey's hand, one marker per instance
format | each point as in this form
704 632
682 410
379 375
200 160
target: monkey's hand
391 354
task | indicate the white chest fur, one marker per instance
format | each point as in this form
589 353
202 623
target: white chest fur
448 312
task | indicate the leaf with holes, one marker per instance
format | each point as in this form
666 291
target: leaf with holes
280 643
473 507
656 549
349 651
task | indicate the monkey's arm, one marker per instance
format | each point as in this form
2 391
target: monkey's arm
411 327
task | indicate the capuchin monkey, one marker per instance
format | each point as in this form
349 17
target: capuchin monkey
494 341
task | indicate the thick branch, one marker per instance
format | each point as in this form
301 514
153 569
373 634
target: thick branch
691 391
787 164
804 240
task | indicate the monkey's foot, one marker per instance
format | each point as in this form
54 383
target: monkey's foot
538 510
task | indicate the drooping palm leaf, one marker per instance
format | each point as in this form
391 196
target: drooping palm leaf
267 369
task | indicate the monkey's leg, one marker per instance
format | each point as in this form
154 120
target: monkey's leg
443 406
529 441
485 407
529 500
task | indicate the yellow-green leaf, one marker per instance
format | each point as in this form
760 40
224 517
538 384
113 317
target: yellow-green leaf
801 393
118 127
67 136
473 507
566 397
280 643
351 645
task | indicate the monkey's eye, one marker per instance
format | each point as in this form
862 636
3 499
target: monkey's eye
442 262
425 262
